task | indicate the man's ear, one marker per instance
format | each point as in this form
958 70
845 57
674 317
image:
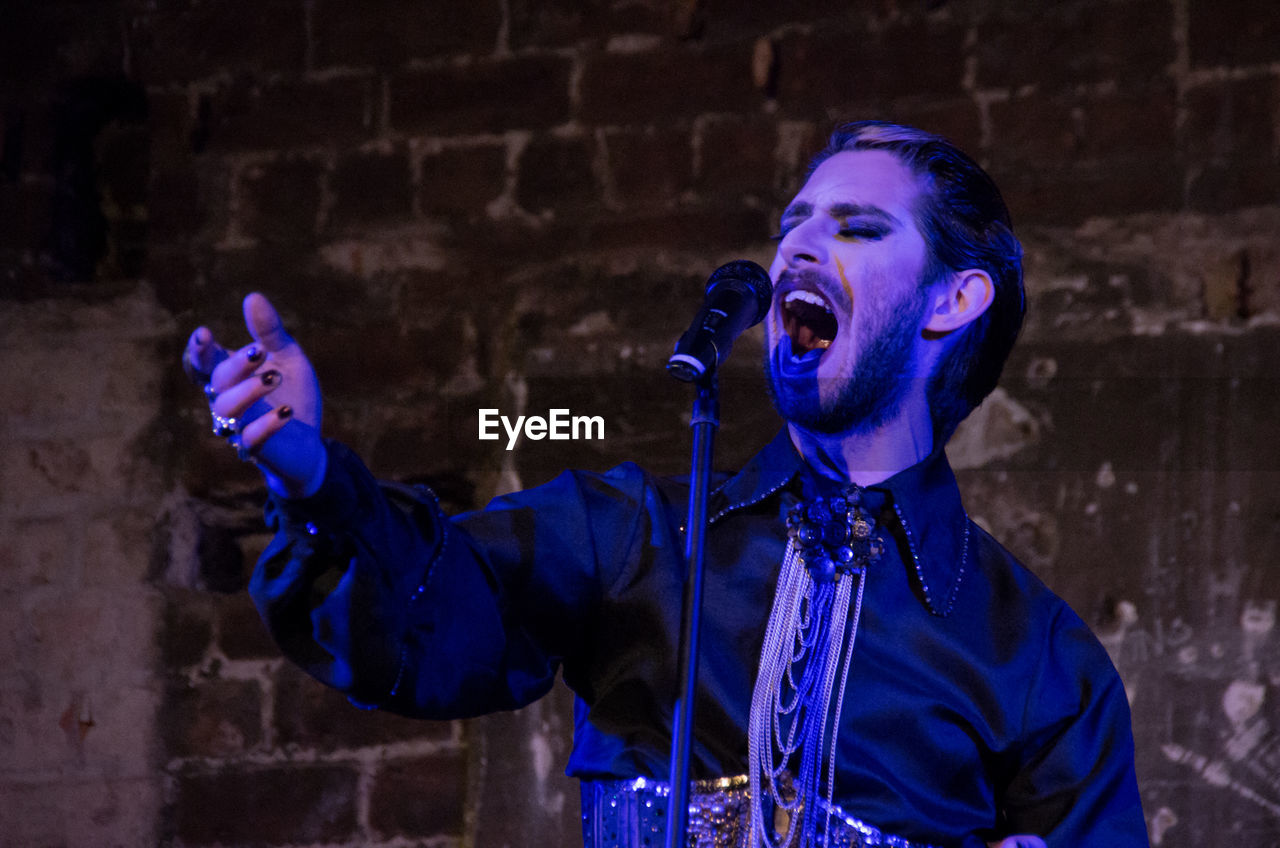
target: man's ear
959 300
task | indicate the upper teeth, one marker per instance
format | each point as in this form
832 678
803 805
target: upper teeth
807 297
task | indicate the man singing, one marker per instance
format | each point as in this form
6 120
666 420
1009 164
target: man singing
875 669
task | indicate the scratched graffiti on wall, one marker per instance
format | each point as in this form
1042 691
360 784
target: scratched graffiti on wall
1215 697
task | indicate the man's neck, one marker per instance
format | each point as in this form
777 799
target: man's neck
870 457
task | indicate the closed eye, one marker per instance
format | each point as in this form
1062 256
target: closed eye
784 228
863 233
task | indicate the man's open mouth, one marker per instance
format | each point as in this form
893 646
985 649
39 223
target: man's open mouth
809 321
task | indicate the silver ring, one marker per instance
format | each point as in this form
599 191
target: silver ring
225 427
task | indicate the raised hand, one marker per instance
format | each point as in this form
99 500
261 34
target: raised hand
264 398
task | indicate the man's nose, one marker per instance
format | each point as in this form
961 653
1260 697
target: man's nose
802 245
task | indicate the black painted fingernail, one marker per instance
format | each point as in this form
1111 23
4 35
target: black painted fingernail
284 412
255 353
271 378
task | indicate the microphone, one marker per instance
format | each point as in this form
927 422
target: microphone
737 297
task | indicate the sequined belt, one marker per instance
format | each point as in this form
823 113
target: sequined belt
633 814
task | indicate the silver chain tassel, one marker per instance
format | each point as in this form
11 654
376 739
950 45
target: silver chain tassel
790 639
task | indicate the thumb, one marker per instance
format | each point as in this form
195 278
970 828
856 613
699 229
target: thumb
264 323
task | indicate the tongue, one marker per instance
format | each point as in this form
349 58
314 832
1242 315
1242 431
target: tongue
804 340
810 326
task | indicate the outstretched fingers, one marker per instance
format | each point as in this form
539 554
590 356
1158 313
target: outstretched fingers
236 367
235 401
201 356
264 323
255 434
264 399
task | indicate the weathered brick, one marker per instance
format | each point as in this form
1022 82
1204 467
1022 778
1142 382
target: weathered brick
956 119
188 40
1119 150
280 201
170 122
1035 129
116 547
77 30
177 208
737 156
650 167
461 180
186 629
845 73
15 644
1137 123
249 114
1232 32
175 269
245 805
32 400
389 33
437 448
708 230
667 84
213 718
26 215
622 304
486 96
562 23
720 18
223 566
82 631
310 715
1062 45
29 44
1222 186
1230 136
1233 119
43 470
1071 194
348 356
241 633
420 797
40 552
556 174
292 280
84 810
372 186
71 704
535 741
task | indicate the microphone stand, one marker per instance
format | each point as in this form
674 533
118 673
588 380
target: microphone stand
705 420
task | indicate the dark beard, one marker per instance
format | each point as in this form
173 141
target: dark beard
871 396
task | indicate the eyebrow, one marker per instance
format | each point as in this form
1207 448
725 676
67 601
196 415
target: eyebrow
804 209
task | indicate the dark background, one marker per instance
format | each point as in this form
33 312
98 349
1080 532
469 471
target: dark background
514 204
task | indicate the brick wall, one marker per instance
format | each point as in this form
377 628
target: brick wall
479 204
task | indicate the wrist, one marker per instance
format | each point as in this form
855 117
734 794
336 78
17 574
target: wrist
297 488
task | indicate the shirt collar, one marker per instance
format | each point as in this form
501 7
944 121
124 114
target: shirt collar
925 500
768 471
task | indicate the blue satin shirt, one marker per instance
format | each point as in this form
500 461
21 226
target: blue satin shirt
977 705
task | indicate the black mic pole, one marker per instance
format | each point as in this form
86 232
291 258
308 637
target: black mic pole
737 297
705 421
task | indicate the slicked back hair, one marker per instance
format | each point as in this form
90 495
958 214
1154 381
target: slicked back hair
965 224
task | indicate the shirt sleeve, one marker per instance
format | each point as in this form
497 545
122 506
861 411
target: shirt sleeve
374 591
1076 784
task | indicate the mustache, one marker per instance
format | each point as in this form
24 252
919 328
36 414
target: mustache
814 280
